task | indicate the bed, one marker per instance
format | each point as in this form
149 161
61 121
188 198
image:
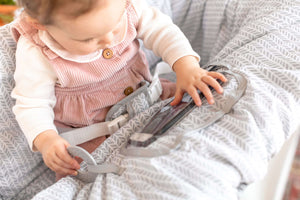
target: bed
256 39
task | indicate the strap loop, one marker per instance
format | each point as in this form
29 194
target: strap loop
80 135
92 168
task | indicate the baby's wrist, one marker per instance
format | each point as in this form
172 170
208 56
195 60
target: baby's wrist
44 138
184 62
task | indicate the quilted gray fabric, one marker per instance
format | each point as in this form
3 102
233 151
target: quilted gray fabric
258 39
22 172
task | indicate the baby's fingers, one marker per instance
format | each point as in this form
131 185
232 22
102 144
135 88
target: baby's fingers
178 96
57 165
195 96
66 160
203 87
213 83
218 75
62 169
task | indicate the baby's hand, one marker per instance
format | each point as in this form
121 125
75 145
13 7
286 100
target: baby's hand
54 150
191 77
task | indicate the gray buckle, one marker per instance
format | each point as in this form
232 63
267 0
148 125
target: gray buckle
93 169
117 123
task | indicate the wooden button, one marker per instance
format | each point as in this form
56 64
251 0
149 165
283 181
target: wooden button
107 53
128 91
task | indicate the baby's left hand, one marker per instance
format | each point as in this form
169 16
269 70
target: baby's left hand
191 77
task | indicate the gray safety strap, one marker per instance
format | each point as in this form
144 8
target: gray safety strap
80 135
93 169
148 152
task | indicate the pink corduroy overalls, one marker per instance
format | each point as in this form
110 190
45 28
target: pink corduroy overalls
86 91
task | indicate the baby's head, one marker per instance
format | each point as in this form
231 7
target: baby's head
79 26
45 10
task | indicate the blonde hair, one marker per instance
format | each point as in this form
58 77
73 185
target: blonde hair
44 10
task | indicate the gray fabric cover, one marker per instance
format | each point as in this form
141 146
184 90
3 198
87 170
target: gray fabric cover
259 39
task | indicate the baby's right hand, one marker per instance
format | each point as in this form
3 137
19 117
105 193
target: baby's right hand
54 150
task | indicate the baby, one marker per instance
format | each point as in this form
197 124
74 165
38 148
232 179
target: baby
74 60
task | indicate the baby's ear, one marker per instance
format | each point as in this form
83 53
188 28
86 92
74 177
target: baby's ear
35 23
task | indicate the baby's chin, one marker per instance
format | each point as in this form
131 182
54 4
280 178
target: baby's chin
83 53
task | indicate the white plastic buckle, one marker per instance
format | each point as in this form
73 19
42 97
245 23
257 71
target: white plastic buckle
117 123
154 89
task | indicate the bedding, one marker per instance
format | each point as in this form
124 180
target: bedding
256 39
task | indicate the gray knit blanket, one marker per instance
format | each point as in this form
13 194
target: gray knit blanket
257 39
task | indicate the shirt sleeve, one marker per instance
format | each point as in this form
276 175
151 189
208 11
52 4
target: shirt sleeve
160 34
34 91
